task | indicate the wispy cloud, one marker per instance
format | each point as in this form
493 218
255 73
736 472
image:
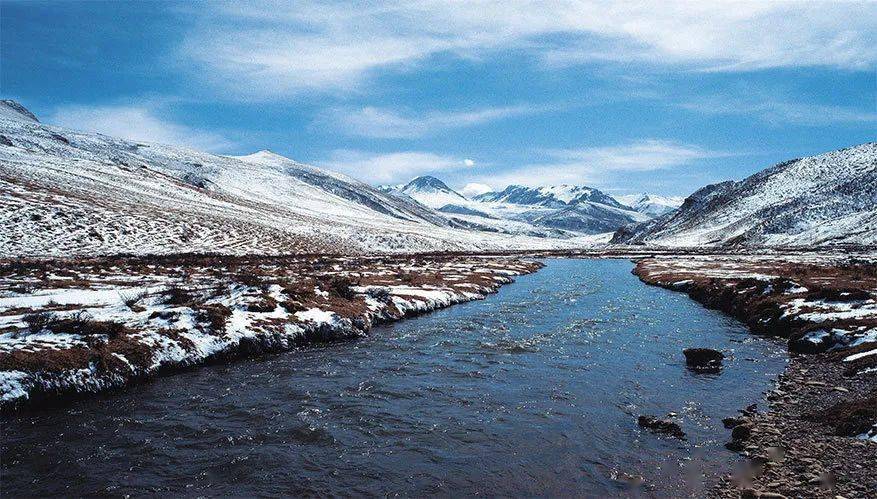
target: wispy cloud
137 122
595 165
385 168
375 122
274 49
780 112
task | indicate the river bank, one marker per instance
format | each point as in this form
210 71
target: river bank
75 327
818 438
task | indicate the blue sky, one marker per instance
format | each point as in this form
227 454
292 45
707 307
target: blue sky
648 96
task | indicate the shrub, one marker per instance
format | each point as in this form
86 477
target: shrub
175 295
38 321
83 324
214 315
340 287
839 294
264 305
130 300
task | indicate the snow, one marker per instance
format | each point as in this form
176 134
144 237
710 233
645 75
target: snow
860 355
816 337
12 385
71 296
869 435
316 315
826 311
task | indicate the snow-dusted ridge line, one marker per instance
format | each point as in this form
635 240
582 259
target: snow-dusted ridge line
69 193
196 312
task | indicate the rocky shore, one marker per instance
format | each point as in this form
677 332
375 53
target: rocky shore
75 327
818 437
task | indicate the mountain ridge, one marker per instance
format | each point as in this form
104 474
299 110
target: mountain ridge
822 200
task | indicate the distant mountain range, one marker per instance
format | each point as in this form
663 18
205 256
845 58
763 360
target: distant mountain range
69 193
563 208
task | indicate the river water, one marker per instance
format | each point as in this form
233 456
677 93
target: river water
533 391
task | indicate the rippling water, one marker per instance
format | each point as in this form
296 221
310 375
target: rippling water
534 391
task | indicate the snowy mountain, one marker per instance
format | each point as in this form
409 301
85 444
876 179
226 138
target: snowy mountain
829 199
559 196
69 193
550 211
431 192
652 205
566 207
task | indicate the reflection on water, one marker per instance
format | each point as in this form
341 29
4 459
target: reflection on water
535 390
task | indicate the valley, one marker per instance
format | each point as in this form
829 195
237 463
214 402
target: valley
125 261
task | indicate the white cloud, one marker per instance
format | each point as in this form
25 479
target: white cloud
274 49
469 162
593 165
384 168
136 123
780 112
643 155
383 123
473 189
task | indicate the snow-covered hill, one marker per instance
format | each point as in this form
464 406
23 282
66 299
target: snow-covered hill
829 199
652 205
64 192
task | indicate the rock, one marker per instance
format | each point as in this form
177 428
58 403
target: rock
812 342
841 389
703 359
661 426
771 495
741 432
749 493
732 422
739 435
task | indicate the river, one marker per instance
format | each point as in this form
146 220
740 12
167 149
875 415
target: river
533 391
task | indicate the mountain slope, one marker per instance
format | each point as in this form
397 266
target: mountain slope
70 193
587 217
829 199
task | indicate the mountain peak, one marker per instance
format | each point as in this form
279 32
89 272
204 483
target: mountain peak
427 183
431 192
12 110
263 157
